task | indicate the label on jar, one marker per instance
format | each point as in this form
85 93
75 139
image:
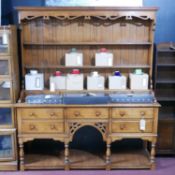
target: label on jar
78 60
109 62
144 82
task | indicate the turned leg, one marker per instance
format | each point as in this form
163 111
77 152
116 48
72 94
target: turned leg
108 156
21 154
153 152
145 145
66 154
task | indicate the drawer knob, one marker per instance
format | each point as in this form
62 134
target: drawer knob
52 114
142 113
32 127
122 114
98 113
77 114
122 127
32 114
53 127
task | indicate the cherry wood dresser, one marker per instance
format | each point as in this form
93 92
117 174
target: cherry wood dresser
46 35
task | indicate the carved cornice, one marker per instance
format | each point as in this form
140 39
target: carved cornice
70 18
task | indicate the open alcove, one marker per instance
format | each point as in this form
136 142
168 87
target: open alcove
87 149
44 154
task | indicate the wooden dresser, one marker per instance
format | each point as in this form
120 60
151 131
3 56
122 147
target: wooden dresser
47 34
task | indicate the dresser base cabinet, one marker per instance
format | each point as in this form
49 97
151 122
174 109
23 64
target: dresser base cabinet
61 124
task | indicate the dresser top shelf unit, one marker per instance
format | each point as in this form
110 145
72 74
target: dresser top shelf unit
48 33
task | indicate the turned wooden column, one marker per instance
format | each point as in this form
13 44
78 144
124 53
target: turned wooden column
153 152
21 154
66 154
108 155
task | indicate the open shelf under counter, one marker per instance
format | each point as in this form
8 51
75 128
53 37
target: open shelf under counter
137 43
84 160
89 67
42 161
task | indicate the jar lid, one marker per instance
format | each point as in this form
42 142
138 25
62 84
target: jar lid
58 73
94 74
33 72
117 73
75 71
73 50
138 72
103 50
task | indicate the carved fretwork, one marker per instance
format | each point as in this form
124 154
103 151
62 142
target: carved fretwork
74 127
104 18
100 126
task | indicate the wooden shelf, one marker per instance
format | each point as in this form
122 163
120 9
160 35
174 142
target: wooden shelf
89 67
166 65
166 50
167 117
46 91
84 160
9 166
166 99
86 43
165 81
41 161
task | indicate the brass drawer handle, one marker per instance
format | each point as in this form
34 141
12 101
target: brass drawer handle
122 114
122 126
32 127
32 114
53 127
52 114
142 113
77 114
98 113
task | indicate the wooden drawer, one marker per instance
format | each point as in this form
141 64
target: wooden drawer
131 126
87 113
42 127
42 113
132 113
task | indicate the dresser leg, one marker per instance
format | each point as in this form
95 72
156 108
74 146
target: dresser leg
66 154
145 144
108 156
153 152
21 154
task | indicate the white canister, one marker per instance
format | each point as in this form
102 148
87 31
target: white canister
75 82
103 58
139 81
74 58
95 82
58 81
117 82
34 80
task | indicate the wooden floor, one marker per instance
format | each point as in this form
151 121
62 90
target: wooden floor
85 160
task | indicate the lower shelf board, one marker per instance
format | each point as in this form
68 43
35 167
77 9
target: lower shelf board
84 160
135 159
41 161
9 166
